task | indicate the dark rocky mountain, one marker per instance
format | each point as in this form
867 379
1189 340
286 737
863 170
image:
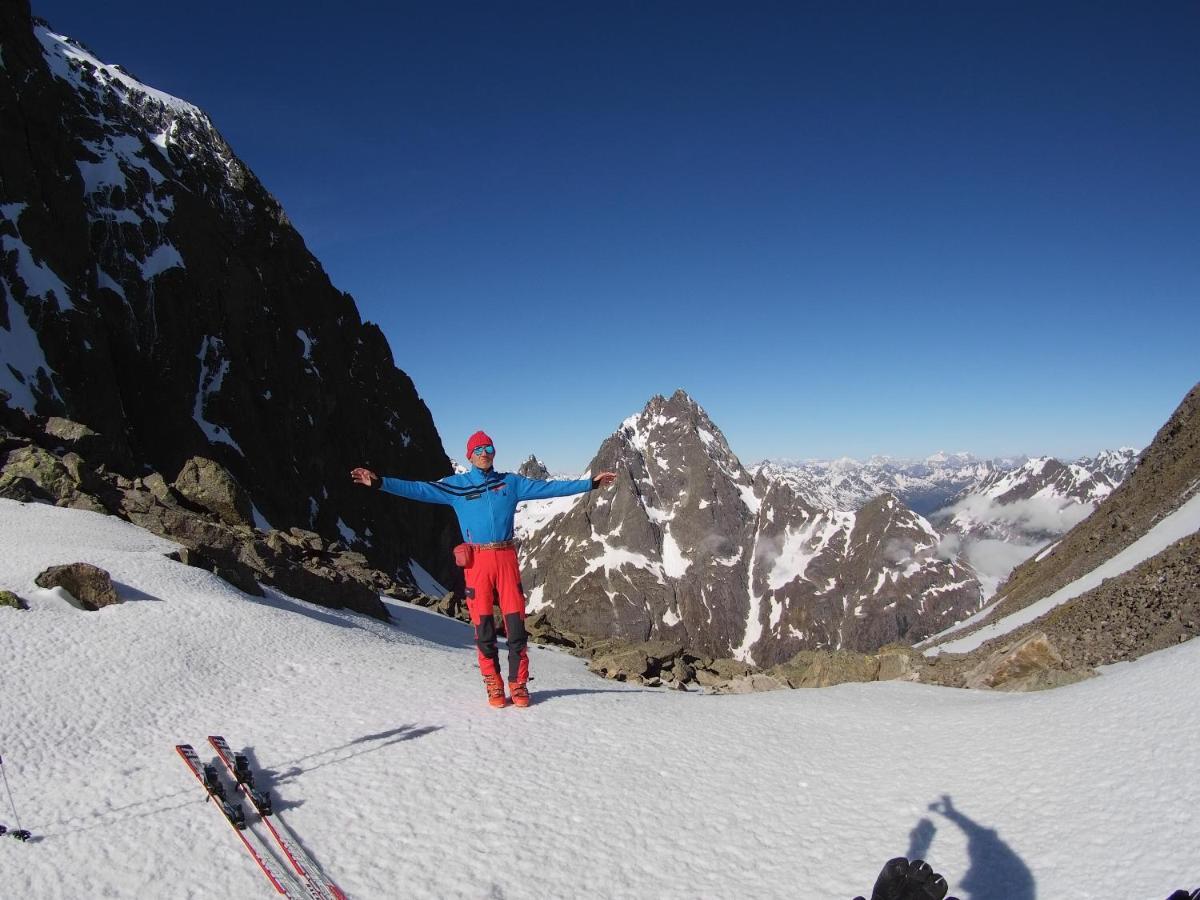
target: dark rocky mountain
154 291
534 468
687 547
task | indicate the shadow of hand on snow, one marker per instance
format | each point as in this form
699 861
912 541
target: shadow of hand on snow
269 779
996 872
920 838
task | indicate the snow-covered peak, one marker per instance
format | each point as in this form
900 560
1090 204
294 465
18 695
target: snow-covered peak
669 430
67 58
943 458
1116 464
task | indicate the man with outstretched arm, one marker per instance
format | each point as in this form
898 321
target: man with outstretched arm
485 501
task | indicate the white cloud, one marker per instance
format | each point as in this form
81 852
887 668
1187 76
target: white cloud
1037 514
992 560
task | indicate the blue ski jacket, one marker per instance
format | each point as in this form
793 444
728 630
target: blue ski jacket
484 501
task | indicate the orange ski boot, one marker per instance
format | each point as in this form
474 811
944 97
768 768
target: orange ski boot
520 693
495 691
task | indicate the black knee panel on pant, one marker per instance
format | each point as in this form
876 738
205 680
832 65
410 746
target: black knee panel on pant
518 637
485 636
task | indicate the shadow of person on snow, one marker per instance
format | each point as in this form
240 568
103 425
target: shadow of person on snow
290 770
996 871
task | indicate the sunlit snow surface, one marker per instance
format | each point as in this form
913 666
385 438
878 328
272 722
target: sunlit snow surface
383 756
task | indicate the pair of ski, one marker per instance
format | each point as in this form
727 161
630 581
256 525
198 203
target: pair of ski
311 879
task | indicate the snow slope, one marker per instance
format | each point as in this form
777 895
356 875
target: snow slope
1179 524
383 756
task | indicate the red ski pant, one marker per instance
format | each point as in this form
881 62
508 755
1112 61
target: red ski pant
495 576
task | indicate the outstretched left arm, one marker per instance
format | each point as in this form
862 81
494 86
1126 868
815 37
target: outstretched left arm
532 489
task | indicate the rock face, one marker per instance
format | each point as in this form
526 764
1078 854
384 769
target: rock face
156 294
688 548
89 585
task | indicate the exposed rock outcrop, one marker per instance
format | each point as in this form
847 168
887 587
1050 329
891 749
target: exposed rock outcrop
9 599
89 586
298 562
1026 664
209 485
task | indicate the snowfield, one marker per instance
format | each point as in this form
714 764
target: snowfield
383 756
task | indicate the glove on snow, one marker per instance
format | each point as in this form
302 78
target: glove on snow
903 880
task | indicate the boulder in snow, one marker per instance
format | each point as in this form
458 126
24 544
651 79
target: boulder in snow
1030 664
89 585
8 598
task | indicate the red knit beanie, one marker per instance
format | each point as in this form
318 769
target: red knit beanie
478 439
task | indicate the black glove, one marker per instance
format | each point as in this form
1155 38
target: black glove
900 879
1184 895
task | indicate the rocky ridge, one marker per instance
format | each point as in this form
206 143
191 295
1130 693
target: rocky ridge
1166 476
204 510
154 291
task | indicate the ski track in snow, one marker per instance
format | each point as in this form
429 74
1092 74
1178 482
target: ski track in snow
401 782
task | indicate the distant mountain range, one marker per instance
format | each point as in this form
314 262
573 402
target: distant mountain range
926 486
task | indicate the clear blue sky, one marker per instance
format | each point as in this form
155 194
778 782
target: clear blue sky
845 228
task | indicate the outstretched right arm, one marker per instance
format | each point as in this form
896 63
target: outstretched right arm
424 491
